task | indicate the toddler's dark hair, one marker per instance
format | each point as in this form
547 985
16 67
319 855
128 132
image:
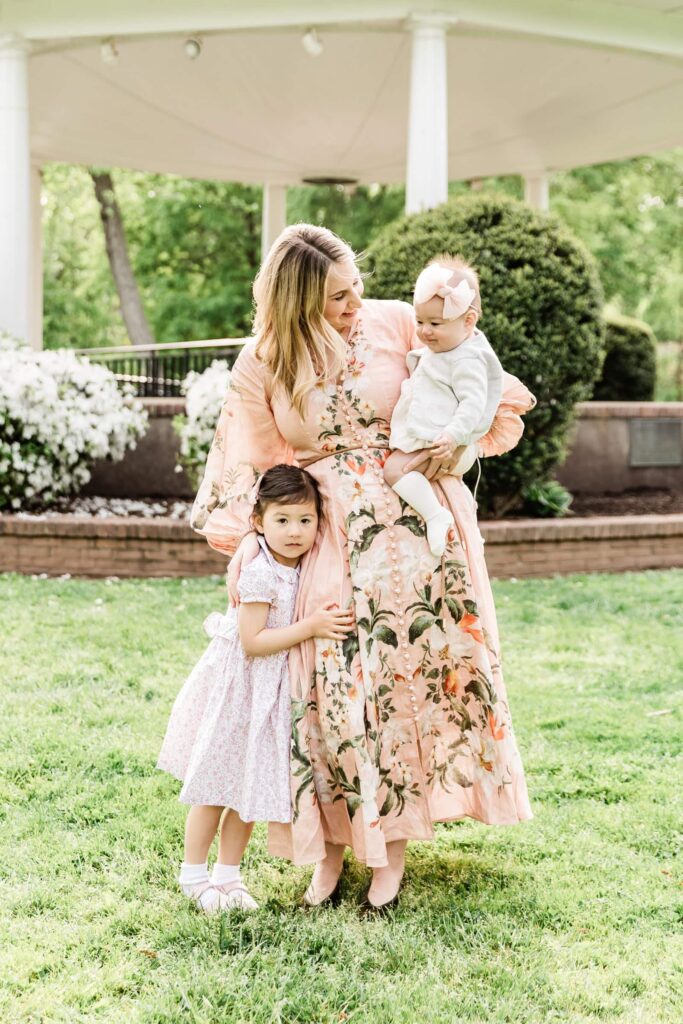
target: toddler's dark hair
287 485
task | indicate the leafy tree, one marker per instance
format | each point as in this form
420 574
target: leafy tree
357 215
79 298
130 302
629 215
195 245
195 248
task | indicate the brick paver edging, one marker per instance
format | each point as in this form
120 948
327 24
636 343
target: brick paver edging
134 546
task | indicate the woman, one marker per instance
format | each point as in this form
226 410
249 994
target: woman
406 722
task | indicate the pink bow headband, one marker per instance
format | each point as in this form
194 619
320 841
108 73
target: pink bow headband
434 281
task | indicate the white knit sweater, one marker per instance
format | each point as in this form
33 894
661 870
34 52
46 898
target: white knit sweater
455 393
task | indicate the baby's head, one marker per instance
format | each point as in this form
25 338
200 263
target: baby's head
447 303
287 511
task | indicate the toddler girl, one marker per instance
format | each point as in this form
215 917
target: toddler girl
228 737
449 401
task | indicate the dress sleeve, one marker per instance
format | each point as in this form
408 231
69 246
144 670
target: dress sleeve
507 427
247 442
402 316
257 583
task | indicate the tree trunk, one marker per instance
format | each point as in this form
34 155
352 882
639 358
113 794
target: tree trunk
132 309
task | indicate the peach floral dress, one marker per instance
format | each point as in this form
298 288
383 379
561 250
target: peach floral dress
406 723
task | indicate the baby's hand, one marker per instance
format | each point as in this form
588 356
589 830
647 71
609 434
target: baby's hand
444 447
331 622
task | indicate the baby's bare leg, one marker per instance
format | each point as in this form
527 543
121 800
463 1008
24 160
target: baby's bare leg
396 463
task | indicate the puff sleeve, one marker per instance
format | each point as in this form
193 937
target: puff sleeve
257 582
507 427
247 442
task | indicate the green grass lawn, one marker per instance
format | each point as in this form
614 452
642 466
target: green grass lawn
575 916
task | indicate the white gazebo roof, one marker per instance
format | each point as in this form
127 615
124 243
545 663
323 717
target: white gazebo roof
402 90
531 85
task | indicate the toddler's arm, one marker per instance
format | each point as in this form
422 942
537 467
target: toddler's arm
258 641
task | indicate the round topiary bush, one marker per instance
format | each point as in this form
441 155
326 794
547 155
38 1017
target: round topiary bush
542 303
630 366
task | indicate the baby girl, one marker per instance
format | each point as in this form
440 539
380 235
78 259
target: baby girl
449 401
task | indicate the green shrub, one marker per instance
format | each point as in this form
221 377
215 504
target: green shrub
630 368
546 501
542 303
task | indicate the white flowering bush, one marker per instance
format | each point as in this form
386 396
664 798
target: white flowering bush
204 396
58 413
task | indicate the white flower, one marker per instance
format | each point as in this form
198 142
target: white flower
488 766
322 787
395 733
369 781
403 774
61 412
204 396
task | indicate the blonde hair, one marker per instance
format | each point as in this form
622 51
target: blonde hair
293 339
462 271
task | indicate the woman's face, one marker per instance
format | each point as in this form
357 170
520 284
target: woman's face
342 295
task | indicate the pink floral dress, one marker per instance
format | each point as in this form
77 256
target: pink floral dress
407 722
229 733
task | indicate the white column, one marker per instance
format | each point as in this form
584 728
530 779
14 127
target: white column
427 163
35 332
15 189
274 218
536 190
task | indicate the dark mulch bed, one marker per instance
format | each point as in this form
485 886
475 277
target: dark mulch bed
640 503
630 503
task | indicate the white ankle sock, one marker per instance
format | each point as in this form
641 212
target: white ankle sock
193 874
222 874
417 491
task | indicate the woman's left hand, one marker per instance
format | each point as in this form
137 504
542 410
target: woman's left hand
438 465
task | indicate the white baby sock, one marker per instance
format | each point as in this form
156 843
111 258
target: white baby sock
223 874
193 874
417 491
193 879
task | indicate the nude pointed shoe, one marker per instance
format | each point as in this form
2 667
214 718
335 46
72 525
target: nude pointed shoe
331 900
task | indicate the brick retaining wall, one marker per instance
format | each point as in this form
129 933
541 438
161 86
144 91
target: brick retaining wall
597 461
85 546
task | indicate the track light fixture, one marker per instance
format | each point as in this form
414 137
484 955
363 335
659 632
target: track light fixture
108 52
192 47
312 43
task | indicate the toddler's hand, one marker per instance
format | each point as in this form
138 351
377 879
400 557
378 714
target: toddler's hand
331 622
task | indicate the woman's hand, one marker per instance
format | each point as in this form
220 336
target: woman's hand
438 465
331 622
246 552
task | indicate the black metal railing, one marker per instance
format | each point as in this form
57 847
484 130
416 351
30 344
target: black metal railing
157 371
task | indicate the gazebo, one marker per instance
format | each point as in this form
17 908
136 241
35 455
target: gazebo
356 91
